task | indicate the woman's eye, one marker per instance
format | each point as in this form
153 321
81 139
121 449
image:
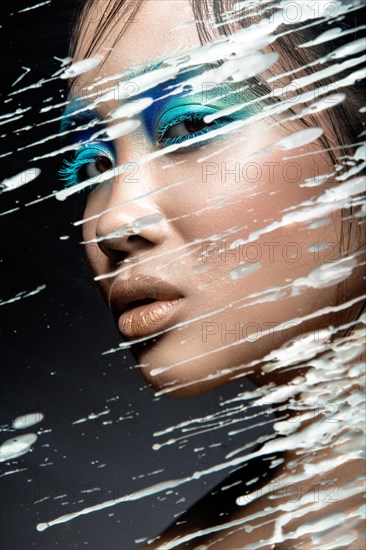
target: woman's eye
184 127
94 168
187 127
90 162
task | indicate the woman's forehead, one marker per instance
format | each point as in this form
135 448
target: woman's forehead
158 29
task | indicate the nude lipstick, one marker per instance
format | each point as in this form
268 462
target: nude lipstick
144 305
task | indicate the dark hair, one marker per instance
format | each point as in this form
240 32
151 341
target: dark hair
343 121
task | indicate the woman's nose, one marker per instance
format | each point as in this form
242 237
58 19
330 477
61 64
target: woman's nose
127 230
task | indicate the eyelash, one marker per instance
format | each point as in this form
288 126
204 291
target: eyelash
87 155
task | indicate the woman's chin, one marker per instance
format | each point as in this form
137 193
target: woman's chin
179 377
178 367
182 384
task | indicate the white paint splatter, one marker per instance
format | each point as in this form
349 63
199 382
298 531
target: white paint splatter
19 180
27 420
17 446
80 67
36 6
244 270
22 294
301 138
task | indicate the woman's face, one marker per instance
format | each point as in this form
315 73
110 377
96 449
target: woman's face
236 304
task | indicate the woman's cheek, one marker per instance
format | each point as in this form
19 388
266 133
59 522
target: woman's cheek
249 196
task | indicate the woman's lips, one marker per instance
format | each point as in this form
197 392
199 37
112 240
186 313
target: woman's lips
144 305
148 319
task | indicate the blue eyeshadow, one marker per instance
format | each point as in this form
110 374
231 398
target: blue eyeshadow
175 109
170 108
